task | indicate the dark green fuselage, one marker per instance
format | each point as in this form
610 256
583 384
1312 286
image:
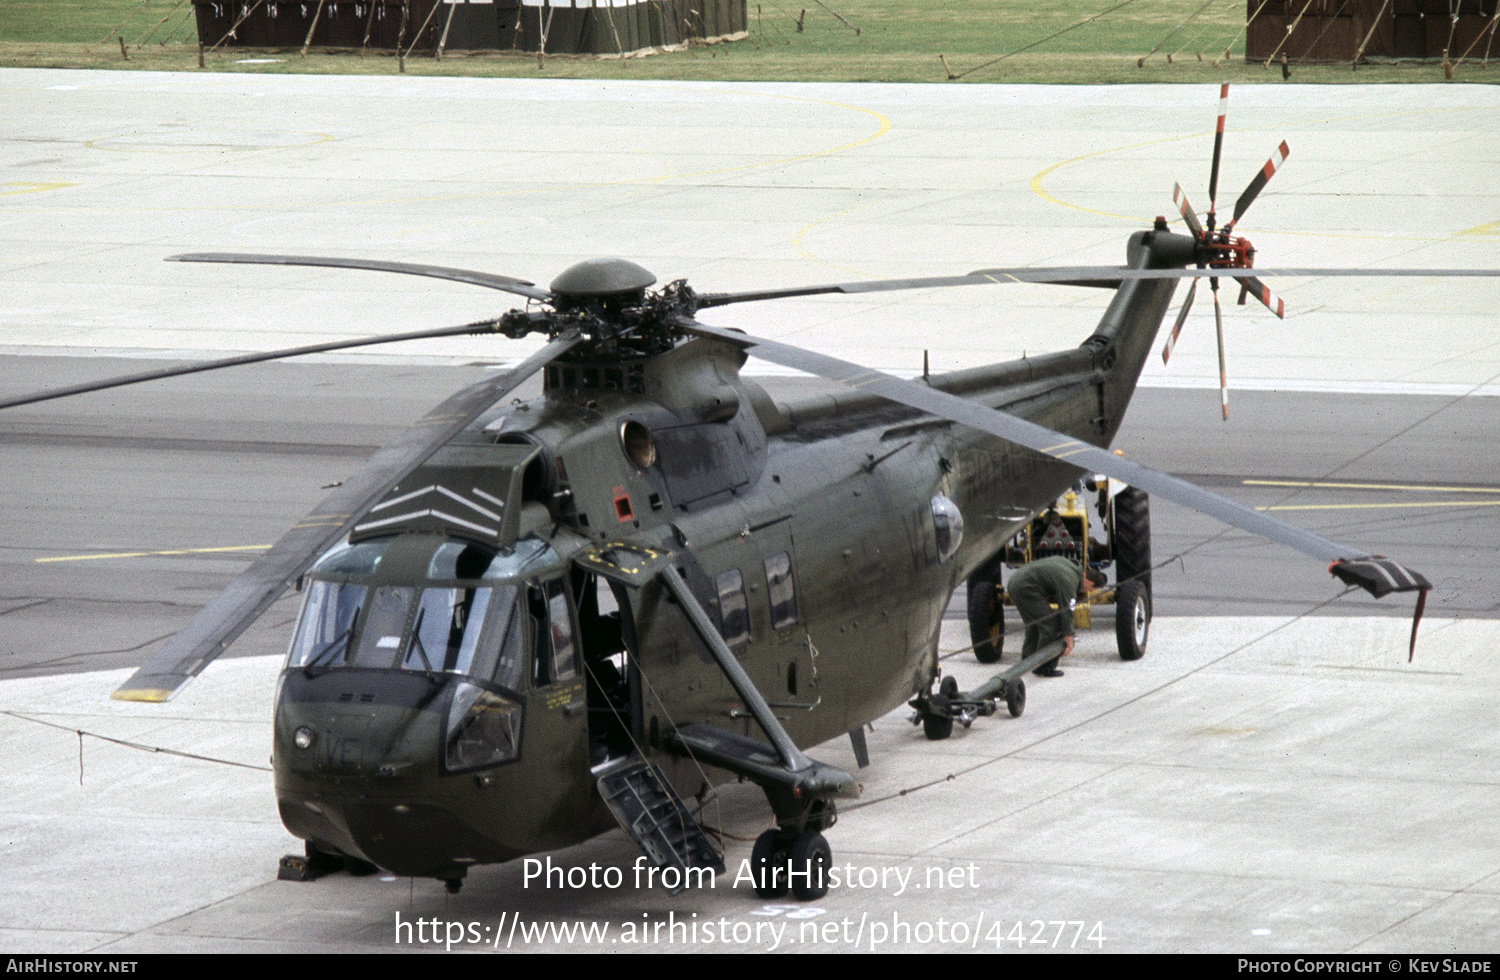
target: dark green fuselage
841 484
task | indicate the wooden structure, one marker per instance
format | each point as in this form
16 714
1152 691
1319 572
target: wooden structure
1335 30
598 27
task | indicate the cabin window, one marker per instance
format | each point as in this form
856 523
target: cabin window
328 616
781 590
734 612
947 525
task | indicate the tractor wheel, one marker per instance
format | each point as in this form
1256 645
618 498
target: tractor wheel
1132 619
1130 544
810 857
1015 697
936 727
986 618
768 864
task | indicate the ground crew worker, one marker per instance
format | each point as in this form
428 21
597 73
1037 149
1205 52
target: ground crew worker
1034 588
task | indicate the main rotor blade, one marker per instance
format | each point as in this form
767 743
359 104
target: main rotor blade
481 327
226 617
1109 276
1187 304
1258 183
487 279
1349 562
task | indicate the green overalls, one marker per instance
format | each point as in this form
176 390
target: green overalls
1033 588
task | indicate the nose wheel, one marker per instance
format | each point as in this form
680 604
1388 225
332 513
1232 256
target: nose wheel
784 862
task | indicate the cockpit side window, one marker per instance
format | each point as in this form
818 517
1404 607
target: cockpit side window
564 663
503 640
553 658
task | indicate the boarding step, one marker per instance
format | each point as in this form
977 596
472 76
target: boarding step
655 818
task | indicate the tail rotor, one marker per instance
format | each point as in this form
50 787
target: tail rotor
1219 249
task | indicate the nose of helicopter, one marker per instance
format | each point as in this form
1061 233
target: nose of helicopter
397 814
418 774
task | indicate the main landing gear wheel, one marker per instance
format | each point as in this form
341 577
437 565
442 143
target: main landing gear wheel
1015 697
986 618
768 864
1132 619
811 857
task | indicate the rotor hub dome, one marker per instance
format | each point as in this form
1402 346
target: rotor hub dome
601 278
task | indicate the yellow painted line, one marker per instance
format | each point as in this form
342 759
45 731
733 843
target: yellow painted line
1368 486
1040 191
34 187
802 234
152 554
1493 228
1403 504
124 146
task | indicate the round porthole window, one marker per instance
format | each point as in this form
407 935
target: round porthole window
640 449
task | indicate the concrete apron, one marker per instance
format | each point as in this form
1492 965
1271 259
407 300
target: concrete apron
1251 784
739 187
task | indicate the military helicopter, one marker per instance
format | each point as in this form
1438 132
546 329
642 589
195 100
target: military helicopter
525 622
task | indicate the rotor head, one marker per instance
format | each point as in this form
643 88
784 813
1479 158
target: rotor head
601 280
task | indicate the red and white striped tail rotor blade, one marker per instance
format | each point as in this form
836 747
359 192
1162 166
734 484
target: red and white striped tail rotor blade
1258 183
1213 173
1187 304
1223 373
1252 286
1186 210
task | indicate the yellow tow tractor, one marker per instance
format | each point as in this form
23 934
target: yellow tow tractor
1124 515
